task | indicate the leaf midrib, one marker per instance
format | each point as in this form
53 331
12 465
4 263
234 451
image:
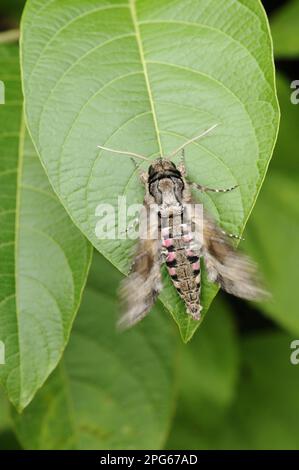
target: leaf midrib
132 5
17 242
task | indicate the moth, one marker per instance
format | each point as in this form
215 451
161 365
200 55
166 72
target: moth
181 239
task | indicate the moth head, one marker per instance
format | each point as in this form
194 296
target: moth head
162 166
165 183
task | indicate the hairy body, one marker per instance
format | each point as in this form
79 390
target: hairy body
180 239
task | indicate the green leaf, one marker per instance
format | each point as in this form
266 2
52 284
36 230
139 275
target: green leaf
7 438
272 239
4 412
8 441
44 259
272 233
208 379
284 28
265 415
286 149
145 77
111 391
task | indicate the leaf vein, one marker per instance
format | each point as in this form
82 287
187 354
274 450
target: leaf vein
210 77
66 25
144 66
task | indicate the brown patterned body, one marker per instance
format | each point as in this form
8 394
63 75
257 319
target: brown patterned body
183 266
181 240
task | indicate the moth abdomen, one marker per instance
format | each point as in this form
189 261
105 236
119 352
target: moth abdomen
193 258
184 269
171 259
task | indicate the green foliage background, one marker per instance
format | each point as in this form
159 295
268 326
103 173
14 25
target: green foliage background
70 381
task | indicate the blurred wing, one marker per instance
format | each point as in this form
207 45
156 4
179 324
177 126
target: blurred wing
235 272
140 289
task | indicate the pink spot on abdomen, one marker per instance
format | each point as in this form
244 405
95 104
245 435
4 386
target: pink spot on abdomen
172 271
167 243
171 256
195 266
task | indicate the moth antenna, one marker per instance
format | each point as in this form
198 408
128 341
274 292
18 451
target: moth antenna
123 152
207 131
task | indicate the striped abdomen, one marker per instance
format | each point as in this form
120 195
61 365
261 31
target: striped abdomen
184 269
